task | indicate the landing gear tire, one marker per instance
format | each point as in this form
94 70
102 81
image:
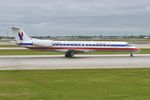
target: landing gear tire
69 54
131 55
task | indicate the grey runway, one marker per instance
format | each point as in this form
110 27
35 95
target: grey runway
79 62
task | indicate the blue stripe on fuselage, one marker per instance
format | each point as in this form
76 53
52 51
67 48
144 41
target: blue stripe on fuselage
25 44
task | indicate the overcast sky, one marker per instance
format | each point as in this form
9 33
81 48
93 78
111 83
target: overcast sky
76 17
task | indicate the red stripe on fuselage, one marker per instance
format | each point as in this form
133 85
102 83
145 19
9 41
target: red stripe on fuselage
78 48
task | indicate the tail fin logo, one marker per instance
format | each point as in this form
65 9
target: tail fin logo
20 34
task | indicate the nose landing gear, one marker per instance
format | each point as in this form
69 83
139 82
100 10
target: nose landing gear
131 54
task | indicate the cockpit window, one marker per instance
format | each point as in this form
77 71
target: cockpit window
128 44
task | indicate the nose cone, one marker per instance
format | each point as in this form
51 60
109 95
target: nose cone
137 49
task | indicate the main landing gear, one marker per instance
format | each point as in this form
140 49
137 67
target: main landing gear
69 54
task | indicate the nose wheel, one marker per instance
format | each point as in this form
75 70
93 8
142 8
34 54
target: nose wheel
131 54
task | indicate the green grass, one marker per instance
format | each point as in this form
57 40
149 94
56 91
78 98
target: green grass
27 52
8 45
32 52
143 51
98 84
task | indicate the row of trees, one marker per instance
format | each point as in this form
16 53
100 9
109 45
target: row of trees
88 37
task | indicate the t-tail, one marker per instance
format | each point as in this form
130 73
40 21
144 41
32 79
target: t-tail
20 35
71 47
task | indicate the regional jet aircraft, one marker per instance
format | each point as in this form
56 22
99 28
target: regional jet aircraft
70 47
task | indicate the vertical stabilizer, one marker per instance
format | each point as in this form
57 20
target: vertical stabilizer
20 35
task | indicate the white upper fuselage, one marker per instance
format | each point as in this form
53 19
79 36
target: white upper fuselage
81 46
70 47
